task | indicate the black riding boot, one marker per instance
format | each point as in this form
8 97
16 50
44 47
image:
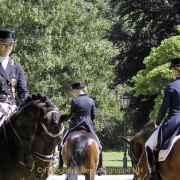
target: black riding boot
60 158
152 157
100 160
101 169
60 166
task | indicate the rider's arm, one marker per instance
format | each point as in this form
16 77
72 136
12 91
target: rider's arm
93 112
164 106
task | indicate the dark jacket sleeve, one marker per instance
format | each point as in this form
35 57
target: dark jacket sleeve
164 106
72 107
93 112
21 85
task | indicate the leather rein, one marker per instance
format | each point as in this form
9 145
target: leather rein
135 162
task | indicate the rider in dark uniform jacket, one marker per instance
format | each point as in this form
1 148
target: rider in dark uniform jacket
171 125
12 78
84 111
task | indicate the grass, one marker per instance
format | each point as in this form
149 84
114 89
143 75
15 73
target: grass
113 162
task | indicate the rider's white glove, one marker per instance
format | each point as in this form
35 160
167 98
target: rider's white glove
155 125
3 109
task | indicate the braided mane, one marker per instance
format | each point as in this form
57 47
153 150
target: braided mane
38 96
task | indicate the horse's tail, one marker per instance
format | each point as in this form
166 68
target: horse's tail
77 157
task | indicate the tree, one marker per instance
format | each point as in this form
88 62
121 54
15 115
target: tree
141 25
62 42
154 78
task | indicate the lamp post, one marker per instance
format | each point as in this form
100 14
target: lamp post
125 99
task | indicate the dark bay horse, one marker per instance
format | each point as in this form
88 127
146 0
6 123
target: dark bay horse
168 169
81 155
29 138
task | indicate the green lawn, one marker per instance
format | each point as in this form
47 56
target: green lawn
113 162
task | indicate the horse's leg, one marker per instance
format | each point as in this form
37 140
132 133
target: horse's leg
91 161
90 175
93 173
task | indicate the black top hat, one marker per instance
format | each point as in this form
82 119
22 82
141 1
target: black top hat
174 62
77 85
7 36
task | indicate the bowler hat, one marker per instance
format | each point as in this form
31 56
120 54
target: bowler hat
7 36
77 85
174 62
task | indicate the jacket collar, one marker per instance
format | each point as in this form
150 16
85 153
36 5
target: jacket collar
9 68
178 77
82 95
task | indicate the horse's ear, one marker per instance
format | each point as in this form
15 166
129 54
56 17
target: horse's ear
127 141
65 117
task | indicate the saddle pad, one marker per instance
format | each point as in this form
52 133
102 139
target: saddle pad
163 154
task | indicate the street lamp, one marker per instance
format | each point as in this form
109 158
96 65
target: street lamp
125 99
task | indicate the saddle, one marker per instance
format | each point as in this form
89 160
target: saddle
81 128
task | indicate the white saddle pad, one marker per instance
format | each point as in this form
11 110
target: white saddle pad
163 154
152 143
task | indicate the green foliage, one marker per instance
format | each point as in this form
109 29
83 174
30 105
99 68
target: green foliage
178 28
62 42
153 79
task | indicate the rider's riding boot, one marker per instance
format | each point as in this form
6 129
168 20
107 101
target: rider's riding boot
101 169
152 157
60 166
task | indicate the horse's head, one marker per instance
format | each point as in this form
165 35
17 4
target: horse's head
137 145
39 125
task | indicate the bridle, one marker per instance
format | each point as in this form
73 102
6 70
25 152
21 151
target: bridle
32 153
48 158
135 162
49 133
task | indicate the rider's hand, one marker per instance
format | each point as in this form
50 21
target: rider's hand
155 125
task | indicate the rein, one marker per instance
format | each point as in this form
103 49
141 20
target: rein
135 162
45 158
31 157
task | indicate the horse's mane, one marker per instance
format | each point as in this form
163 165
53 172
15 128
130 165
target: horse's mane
38 96
149 126
147 130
